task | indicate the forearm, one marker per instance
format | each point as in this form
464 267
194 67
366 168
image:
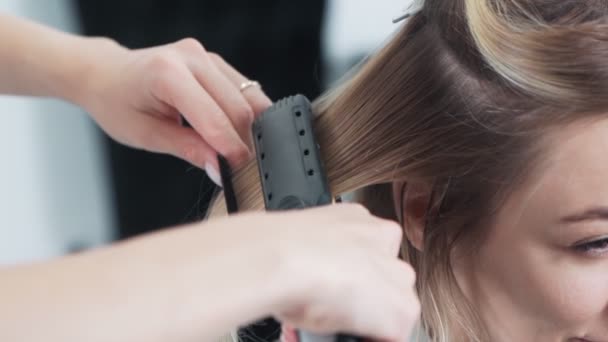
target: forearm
40 61
160 288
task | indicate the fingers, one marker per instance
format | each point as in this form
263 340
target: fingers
392 322
182 142
391 314
400 308
288 334
388 237
226 94
180 89
381 234
206 91
358 286
254 95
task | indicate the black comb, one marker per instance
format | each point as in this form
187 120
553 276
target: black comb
226 174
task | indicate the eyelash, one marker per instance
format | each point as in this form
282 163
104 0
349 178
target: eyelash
593 248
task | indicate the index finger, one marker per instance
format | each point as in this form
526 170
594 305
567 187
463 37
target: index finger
254 95
185 94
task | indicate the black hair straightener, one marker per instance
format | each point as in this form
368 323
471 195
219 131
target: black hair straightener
290 168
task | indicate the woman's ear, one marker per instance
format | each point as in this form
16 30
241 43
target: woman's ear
413 199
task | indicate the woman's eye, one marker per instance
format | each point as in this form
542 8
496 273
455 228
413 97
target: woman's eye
593 248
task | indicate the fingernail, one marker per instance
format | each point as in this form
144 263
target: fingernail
213 174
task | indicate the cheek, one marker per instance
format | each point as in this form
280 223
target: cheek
545 286
570 291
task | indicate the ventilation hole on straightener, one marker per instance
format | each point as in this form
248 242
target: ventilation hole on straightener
311 172
266 176
302 132
306 152
298 114
263 155
270 196
259 136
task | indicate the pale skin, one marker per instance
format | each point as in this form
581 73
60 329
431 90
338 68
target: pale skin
327 270
541 273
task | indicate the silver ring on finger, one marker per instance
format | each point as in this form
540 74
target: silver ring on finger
248 84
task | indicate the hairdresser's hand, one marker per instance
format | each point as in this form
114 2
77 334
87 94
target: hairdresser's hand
137 96
344 275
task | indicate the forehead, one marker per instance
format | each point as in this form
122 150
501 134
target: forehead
573 171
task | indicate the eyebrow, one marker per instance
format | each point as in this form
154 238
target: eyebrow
599 213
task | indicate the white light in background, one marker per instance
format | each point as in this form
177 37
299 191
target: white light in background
53 185
354 28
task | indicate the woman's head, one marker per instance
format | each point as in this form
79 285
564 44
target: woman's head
537 271
470 105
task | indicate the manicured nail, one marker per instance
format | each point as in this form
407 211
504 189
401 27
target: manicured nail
213 174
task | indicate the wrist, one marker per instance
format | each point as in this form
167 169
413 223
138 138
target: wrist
264 269
242 277
293 277
93 61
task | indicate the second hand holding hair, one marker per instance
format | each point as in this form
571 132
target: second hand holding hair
340 263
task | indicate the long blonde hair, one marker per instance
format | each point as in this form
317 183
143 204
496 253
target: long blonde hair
458 99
